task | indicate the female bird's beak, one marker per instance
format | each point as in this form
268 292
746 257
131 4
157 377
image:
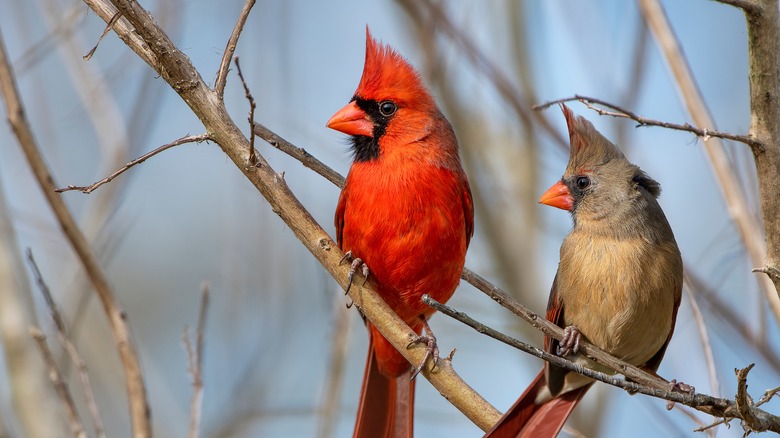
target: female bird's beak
352 120
558 196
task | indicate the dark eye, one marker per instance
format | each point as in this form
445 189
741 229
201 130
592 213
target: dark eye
583 182
387 108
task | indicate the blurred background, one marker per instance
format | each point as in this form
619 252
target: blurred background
283 356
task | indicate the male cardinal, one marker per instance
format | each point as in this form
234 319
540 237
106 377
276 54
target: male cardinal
619 279
406 214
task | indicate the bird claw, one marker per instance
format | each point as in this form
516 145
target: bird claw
356 263
431 349
676 386
570 344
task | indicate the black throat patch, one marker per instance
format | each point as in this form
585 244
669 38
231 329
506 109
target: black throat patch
366 148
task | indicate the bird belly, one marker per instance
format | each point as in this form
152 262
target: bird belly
619 296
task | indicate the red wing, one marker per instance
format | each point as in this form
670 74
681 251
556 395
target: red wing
339 220
554 374
468 210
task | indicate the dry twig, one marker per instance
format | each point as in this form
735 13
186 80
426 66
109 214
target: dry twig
195 362
76 428
70 348
230 49
90 188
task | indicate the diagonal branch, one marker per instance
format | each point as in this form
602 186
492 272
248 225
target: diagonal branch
177 70
117 319
230 49
756 419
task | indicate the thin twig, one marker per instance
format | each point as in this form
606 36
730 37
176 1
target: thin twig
109 26
90 188
746 5
61 387
230 49
709 357
70 348
117 319
252 106
195 362
299 154
621 112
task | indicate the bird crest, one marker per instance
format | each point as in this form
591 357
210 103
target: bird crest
386 74
588 147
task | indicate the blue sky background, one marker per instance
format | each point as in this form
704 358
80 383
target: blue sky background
188 215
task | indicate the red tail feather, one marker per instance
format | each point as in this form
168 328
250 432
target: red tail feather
386 404
526 419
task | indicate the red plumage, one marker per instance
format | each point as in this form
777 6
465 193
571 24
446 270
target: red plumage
406 211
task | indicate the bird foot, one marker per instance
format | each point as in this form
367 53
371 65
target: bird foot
676 386
570 344
357 263
431 349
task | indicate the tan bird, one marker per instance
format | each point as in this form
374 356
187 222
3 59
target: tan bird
619 279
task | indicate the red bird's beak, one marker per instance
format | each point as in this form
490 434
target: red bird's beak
558 196
352 120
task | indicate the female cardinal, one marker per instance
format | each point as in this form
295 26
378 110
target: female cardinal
618 283
406 214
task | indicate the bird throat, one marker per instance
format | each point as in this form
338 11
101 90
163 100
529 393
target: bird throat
364 148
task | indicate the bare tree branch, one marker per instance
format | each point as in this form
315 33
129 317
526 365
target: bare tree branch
90 188
704 134
76 428
757 419
139 407
195 361
176 69
746 5
230 49
70 348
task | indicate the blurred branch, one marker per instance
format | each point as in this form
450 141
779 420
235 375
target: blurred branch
706 346
70 348
139 407
224 65
177 70
704 134
519 103
76 428
30 392
763 46
90 188
195 362
339 348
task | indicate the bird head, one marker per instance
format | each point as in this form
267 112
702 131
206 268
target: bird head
599 181
391 103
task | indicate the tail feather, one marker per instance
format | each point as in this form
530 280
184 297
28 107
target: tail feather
527 419
386 406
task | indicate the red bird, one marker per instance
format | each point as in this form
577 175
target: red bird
618 284
406 213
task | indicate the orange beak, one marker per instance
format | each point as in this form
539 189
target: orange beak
558 196
352 120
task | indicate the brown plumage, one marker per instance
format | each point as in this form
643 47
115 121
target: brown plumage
619 280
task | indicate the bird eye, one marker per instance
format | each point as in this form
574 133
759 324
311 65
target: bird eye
583 182
387 108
